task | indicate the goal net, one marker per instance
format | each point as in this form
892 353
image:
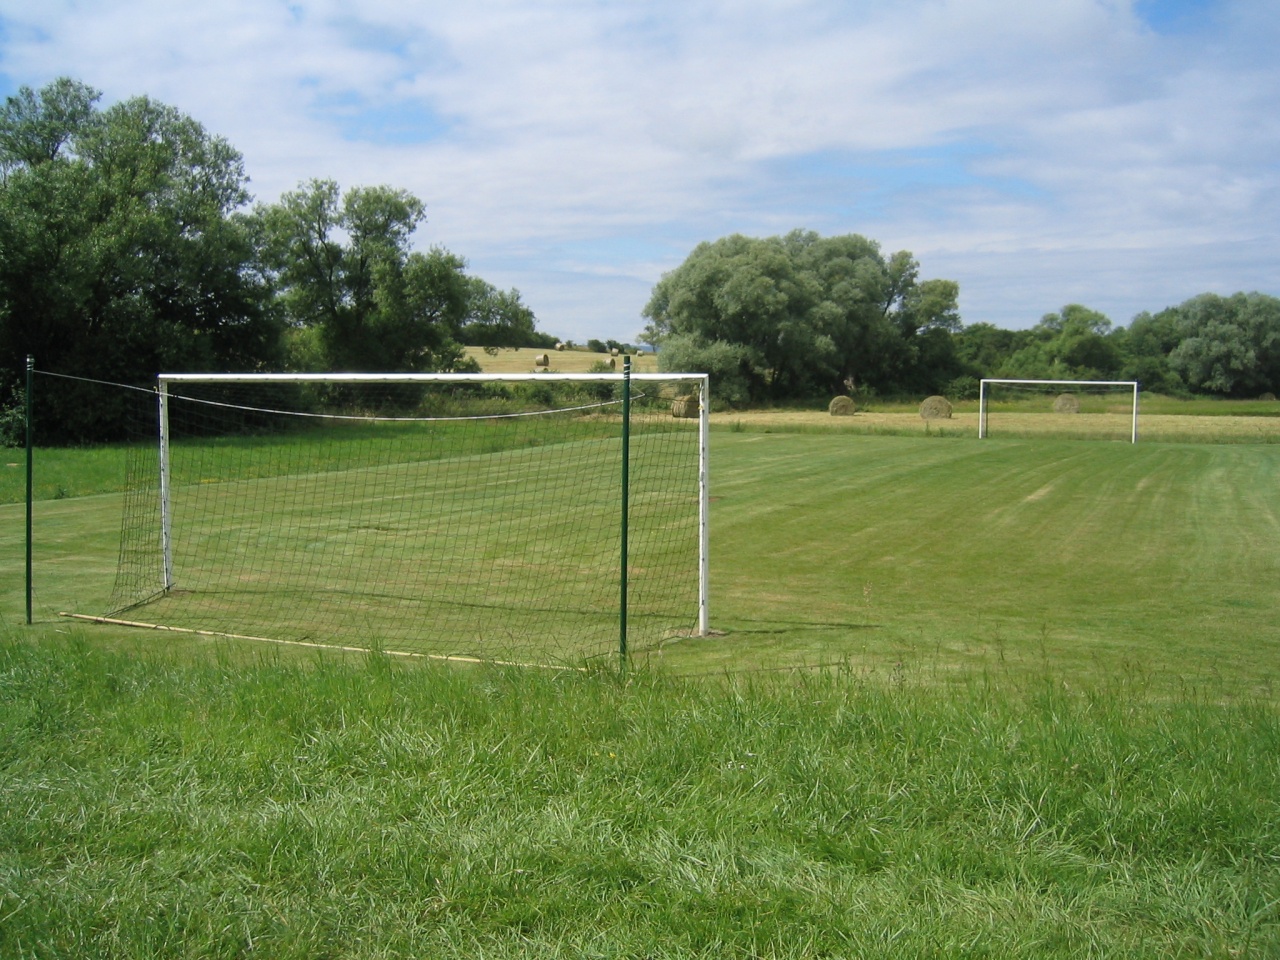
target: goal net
1069 409
463 516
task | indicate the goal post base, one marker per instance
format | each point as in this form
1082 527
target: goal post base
312 644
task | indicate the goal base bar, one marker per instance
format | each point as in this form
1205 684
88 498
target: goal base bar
451 658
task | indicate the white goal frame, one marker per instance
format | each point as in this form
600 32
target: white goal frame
982 397
699 380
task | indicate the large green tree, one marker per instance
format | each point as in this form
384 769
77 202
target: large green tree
1228 345
120 251
1074 344
797 315
344 271
499 318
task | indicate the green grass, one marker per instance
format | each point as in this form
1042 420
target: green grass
69 472
355 534
954 558
156 807
63 472
942 557
1013 698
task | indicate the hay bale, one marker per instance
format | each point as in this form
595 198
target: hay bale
542 360
842 407
611 363
1066 403
935 408
1268 397
686 408
560 347
614 352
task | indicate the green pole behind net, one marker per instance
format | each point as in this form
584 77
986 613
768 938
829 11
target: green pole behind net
626 469
31 363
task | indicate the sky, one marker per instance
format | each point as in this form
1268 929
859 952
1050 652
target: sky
1123 154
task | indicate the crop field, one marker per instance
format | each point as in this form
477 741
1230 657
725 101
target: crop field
577 360
1260 424
1013 698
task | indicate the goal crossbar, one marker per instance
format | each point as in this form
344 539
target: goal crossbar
986 382
164 378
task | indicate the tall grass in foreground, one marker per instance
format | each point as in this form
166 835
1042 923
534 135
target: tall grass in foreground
154 808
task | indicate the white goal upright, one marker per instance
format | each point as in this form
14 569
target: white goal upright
523 518
1064 390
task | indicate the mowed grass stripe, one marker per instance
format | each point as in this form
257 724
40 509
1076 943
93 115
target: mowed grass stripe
959 554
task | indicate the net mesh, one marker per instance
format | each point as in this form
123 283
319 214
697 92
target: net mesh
445 519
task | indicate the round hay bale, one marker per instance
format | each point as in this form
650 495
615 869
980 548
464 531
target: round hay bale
1269 397
1066 403
611 363
842 407
542 360
614 352
560 347
685 408
935 408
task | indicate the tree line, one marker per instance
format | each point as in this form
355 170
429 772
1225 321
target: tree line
129 245
804 316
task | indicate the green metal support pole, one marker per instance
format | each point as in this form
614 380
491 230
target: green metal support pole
626 494
31 365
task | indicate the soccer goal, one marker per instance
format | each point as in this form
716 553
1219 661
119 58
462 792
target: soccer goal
541 518
1084 409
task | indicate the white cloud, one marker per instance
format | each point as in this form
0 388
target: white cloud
1066 149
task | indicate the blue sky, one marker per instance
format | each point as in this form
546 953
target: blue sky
1124 155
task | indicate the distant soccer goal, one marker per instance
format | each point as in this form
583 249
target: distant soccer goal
1085 409
541 518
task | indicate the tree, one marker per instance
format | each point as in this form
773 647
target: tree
797 315
34 127
1146 344
1229 345
120 251
1072 345
498 318
983 348
342 266
728 364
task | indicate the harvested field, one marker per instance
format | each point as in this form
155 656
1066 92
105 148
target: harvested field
1153 427
521 360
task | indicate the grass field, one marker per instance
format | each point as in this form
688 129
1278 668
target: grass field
937 555
1008 698
160 807
1094 560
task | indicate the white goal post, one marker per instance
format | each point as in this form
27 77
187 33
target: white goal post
687 386
985 383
